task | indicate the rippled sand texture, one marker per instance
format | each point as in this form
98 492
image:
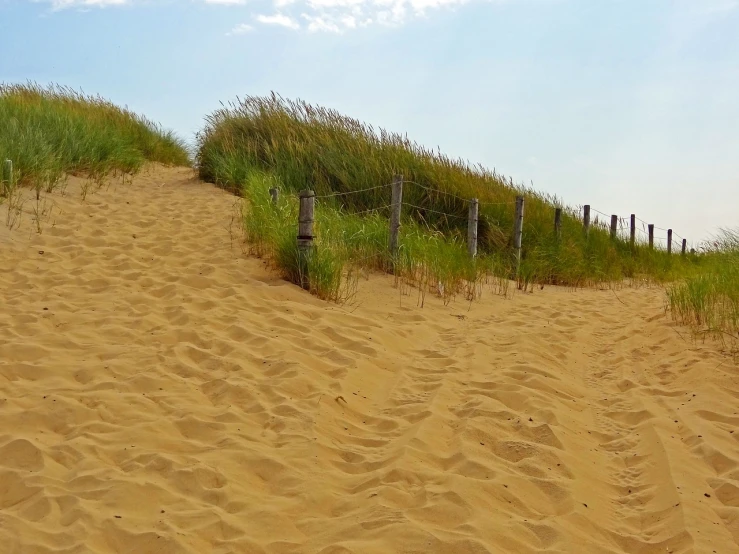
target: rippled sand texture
161 392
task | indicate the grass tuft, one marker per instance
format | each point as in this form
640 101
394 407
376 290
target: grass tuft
347 246
49 132
708 300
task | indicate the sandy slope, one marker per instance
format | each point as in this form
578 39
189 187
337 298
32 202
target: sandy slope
162 392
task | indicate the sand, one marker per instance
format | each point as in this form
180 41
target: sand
163 392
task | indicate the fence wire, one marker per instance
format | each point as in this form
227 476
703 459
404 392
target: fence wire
347 193
624 228
599 212
370 210
433 211
461 199
509 203
626 225
437 191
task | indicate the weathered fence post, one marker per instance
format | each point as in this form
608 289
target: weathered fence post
397 204
558 222
651 235
274 192
669 241
614 226
633 229
586 218
472 227
6 178
305 235
518 230
685 244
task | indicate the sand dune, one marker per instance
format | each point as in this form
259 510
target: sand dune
162 392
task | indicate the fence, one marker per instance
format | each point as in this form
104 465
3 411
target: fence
617 227
629 230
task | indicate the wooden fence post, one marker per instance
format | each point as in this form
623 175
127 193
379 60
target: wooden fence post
669 241
586 218
397 204
305 235
614 226
651 235
685 244
558 222
472 227
274 192
6 178
633 229
518 230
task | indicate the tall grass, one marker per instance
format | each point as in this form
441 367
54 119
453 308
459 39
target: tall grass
48 132
312 147
709 300
347 245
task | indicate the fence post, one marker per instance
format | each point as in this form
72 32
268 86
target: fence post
6 178
274 192
651 235
685 244
558 222
305 235
397 203
669 241
472 227
633 229
614 226
518 230
586 218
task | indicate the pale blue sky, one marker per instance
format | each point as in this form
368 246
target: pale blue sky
631 106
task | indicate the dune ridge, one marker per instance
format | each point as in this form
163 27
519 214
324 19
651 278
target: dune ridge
163 392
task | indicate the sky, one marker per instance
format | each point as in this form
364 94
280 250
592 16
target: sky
631 106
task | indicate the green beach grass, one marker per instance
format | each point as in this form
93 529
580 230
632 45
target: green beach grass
348 245
708 299
48 132
298 146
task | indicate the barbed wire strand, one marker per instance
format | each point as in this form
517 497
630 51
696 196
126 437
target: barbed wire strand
510 203
370 210
437 191
346 193
599 212
466 200
432 211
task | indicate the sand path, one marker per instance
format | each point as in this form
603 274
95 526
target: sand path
162 392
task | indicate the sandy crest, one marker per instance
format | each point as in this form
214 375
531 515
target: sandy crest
161 392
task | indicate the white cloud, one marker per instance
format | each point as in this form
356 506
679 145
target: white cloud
334 16
280 20
240 29
317 23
